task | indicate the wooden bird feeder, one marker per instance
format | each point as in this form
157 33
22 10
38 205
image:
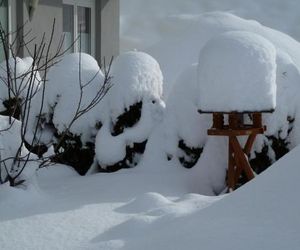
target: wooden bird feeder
238 163
237 80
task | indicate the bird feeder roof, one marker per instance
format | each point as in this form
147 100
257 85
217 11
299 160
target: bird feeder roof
237 73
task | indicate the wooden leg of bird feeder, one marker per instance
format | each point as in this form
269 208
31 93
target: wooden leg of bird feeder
241 159
257 120
249 144
247 150
230 172
218 120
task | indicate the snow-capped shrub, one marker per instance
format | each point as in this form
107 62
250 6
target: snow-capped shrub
175 53
283 130
134 107
72 85
72 111
13 153
186 128
18 80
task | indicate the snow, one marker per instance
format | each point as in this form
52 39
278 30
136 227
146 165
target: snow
20 83
198 30
63 90
136 78
262 213
164 18
65 211
10 144
237 72
157 204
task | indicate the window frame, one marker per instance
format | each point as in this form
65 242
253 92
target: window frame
10 27
87 4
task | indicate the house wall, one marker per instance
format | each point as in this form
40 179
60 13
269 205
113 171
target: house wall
106 28
42 22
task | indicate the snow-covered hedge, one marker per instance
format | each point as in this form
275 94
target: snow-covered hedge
72 85
15 84
134 107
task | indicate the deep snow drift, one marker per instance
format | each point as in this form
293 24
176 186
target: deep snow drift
60 210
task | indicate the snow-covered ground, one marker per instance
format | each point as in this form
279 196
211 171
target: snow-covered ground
157 204
133 210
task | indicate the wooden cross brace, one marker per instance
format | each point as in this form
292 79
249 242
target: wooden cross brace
238 161
237 155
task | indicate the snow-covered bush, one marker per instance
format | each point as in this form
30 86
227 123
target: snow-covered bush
73 109
13 153
186 129
176 53
19 81
134 107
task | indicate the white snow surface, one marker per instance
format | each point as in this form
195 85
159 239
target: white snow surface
154 205
237 72
60 210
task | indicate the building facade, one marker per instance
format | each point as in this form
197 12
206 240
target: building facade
96 22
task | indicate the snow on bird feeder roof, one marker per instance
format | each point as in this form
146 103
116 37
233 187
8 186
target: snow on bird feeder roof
237 73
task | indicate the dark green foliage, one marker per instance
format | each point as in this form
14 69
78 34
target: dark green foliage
130 159
128 119
280 146
190 154
261 161
72 152
13 108
39 149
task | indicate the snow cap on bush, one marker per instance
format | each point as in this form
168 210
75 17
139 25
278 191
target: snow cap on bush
63 92
136 77
10 141
20 72
237 72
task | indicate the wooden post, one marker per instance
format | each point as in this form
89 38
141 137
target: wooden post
257 120
218 120
237 155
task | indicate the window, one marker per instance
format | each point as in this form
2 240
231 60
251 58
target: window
4 23
78 22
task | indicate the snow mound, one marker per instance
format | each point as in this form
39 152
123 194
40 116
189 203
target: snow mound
238 214
174 53
237 72
137 84
146 202
182 106
136 77
20 82
75 72
10 141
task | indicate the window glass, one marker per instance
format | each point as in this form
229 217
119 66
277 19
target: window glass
84 29
68 26
4 23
